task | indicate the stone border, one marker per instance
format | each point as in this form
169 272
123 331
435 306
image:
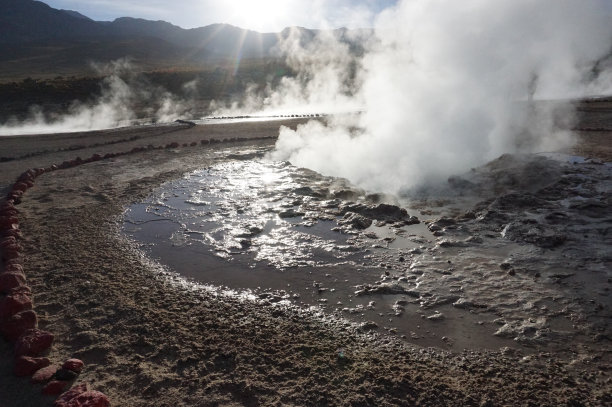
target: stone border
18 320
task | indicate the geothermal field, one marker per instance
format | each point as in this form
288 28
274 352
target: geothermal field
416 214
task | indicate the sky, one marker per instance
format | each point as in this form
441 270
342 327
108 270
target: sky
259 15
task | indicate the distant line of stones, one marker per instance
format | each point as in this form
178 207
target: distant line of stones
18 320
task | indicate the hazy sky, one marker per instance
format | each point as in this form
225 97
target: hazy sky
261 15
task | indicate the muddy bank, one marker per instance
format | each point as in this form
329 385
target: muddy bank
148 338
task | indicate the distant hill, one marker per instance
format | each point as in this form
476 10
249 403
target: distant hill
38 40
76 14
23 21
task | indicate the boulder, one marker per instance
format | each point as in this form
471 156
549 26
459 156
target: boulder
64 399
13 304
44 375
26 365
18 324
54 387
33 342
75 365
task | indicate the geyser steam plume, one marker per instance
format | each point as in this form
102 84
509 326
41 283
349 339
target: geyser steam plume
448 85
121 90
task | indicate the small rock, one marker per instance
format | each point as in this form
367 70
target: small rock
467 304
33 342
14 327
43 375
290 213
368 326
13 304
356 221
54 387
75 365
10 280
438 316
26 365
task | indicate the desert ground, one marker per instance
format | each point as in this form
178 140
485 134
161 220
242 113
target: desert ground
148 337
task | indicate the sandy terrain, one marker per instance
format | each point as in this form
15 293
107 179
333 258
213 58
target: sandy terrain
148 338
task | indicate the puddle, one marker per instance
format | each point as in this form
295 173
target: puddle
499 257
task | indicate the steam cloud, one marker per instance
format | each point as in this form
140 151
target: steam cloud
448 85
324 82
121 93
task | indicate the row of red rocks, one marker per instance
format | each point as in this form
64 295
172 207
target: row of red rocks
18 320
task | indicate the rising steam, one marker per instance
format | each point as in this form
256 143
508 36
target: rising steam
122 93
447 85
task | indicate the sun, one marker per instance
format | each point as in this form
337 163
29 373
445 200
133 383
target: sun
260 15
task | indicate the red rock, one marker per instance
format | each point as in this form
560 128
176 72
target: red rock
7 220
22 289
13 268
43 375
33 342
12 262
8 210
7 241
65 398
54 387
10 255
12 248
10 280
15 195
14 303
20 186
90 398
7 205
75 365
13 328
12 230
26 365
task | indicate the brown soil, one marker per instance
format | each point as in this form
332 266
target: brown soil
149 338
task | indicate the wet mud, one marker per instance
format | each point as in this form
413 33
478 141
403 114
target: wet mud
513 255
